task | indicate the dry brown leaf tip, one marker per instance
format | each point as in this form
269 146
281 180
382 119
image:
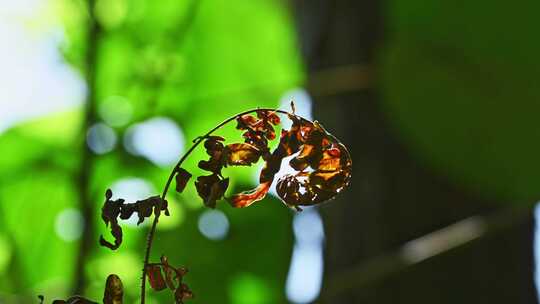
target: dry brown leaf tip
182 177
162 275
117 209
114 290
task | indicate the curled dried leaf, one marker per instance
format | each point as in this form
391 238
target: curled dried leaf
259 129
245 199
112 210
144 208
173 276
217 191
322 163
214 148
173 279
182 177
116 232
270 117
155 277
169 273
241 154
114 290
183 293
109 213
324 168
257 139
211 188
288 145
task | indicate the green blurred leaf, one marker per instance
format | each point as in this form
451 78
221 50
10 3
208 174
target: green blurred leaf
196 62
31 221
460 86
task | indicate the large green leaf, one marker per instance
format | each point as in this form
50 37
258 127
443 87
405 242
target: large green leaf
45 261
460 84
196 62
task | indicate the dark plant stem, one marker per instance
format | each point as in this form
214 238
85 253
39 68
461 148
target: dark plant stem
87 239
196 142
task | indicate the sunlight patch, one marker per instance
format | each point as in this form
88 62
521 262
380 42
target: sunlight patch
158 139
213 224
69 224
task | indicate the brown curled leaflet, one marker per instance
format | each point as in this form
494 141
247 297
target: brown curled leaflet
323 167
241 154
155 277
214 148
114 290
114 209
109 214
211 188
181 178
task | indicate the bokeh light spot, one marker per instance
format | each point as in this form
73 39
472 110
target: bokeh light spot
536 248
304 280
250 289
116 111
308 227
36 79
158 139
302 103
125 264
101 138
214 224
69 224
305 274
111 13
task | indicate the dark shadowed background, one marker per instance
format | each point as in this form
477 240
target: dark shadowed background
438 102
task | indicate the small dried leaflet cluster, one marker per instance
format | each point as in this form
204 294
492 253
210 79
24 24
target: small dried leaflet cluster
322 167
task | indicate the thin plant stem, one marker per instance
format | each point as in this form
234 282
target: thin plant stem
196 142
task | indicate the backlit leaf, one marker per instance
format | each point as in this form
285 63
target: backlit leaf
214 148
155 277
211 188
182 177
323 166
114 290
245 199
241 154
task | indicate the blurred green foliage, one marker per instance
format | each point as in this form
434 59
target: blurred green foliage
195 62
460 85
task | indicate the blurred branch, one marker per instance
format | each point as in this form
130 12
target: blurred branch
179 32
340 79
18 275
87 159
186 23
327 82
365 274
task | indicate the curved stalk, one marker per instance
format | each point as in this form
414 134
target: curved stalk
196 142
